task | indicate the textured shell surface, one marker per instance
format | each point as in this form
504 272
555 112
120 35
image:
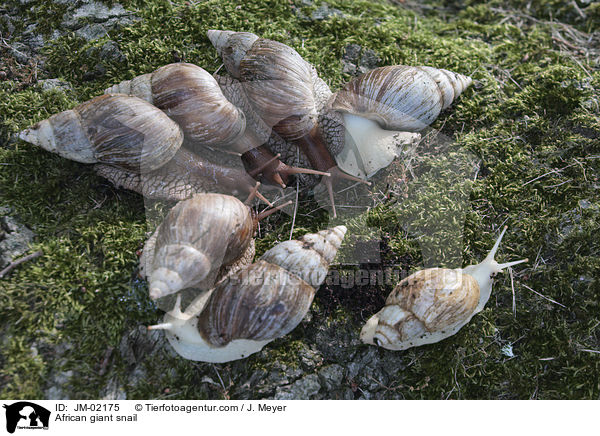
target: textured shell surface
249 307
113 129
425 307
191 97
310 256
260 302
284 89
198 237
401 97
232 47
279 83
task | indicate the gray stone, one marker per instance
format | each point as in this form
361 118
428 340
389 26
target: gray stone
280 375
58 382
304 389
49 84
332 376
92 31
15 238
110 51
309 358
357 60
93 11
113 391
324 12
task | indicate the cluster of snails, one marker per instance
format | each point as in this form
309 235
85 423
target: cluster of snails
182 134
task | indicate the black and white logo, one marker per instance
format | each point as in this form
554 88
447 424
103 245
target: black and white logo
26 415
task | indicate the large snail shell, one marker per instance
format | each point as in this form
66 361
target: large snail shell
262 302
189 95
118 130
284 89
253 306
269 298
433 304
195 239
425 307
401 97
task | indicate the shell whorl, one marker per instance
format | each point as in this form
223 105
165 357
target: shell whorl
260 302
196 238
425 307
232 47
401 97
113 129
191 97
284 89
267 299
310 256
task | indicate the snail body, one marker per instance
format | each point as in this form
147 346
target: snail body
284 90
255 305
379 108
207 110
135 146
433 304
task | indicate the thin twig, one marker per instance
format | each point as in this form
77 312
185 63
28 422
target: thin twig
296 202
512 286
549 172
543 296
18 262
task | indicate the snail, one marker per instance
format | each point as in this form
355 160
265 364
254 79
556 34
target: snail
353 133
385 102
433 304
202 237
137 147
192 97
284 90
254 305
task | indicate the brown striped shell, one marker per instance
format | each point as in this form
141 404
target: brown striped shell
425 307
401 97
284 89
197 237
190 96
118 130
267 299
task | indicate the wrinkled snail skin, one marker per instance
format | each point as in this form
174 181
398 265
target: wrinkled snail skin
433 304
196 238
255 305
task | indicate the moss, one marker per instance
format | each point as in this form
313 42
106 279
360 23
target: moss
520 147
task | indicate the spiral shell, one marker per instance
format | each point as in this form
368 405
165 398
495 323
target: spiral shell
196 238
191 97
401 97
426 307
117 130
284 89
269 298
256 304
433 304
